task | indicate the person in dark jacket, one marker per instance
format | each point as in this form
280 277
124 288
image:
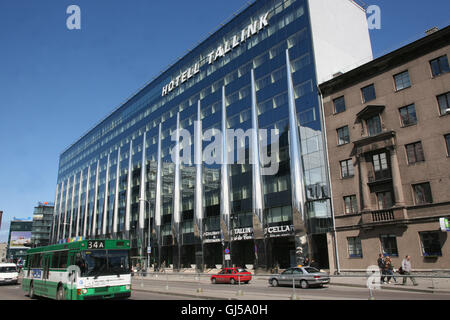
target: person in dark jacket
382 266
315 264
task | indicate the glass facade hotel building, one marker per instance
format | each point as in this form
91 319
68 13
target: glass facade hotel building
259 71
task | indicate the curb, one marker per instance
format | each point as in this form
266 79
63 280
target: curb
185 295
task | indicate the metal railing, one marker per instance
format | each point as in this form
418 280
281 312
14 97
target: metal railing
425 282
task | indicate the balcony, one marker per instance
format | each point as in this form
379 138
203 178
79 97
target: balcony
385 216
379 177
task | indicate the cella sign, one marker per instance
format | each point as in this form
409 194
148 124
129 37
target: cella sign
246 33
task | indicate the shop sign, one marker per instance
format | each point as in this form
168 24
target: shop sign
242 234
279 231
211 237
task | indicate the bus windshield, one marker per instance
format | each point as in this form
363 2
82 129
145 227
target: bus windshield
103 263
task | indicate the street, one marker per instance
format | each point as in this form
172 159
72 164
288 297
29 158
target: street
162 289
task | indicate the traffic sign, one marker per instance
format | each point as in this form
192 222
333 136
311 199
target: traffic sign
149 249
227 251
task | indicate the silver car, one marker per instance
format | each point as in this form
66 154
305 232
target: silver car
305 277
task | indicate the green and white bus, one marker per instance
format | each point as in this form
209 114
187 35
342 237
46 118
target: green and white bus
82 270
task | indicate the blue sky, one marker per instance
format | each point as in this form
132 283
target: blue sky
55 84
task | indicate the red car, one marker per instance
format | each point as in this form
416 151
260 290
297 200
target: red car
232 275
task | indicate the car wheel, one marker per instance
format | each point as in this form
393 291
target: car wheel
232 281
246 282
61 294
274 283
304 284
213 280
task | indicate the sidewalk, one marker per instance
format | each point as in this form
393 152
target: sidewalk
425 285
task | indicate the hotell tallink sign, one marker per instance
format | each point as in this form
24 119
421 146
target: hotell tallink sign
219 52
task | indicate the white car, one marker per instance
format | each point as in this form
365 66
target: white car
8 273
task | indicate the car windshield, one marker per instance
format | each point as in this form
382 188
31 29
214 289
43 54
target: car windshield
311 270
103 262
7 269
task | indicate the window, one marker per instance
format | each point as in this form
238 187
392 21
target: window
380 162
368 93
447 140
347 168
414 152
339 105
439 66
384 200
431 244
350 204
374 125
389 245
343 135
444 103
354 247
402 81
408 115
422 193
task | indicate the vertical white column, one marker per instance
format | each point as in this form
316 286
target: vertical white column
80 188
176 184
105 207
297 180
198 170
94 213
258 199
158 182
130 173
60 210
55 212
71 205
225 189
142 194
86 211
116 195
65 208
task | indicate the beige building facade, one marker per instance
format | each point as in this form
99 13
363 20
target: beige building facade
388 137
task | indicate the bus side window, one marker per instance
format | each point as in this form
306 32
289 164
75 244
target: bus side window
55 256
64 255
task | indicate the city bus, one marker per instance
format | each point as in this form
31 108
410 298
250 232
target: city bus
79 270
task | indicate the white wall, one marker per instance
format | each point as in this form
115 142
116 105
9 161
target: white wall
340 37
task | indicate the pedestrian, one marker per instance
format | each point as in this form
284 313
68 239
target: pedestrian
389 268
315 264
306 262
406 267
381 265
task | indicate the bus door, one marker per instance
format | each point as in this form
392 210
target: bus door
46 262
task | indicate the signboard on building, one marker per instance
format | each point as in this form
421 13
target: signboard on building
20 239
211 237
444 224
242 234
279 231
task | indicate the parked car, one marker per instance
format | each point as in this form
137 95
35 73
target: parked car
8 273
232 275
305 277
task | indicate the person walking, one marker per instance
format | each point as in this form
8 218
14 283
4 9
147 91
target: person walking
381 265
406 266
389 267
315 264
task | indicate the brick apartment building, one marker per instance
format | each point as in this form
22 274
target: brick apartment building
388 136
